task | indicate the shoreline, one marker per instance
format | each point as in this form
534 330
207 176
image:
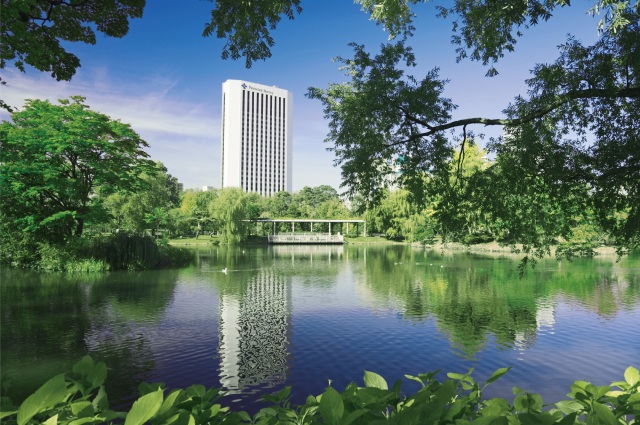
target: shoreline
487 248
494 247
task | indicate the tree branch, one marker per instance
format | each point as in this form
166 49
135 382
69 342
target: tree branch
627 92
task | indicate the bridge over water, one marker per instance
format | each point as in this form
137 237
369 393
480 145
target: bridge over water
310 237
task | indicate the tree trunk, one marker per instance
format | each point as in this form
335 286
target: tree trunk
79 226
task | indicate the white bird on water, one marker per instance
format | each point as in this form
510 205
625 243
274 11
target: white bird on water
224 270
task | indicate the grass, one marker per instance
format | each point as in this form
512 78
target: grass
370 240
201 240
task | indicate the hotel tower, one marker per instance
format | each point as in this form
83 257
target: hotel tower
256 137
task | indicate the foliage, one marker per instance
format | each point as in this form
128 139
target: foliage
305 203
79 397
570 147
115 252
280 205
53 160
33 31
194 209
148 206
230 209
250 38
484 31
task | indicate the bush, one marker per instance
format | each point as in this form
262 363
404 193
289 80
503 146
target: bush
78 397
99 254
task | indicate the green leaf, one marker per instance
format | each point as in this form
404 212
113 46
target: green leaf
244 416
414 378
51 421
456 376
373 380
7 413
97 375
494 407
84 366
497 374
353 416
101 402
491 420
82 409
632 376
569 406
145 388
213 410
48 395
604 413
196 391
542 418
182 418
83 421
569 419
144 408
331 406
170 402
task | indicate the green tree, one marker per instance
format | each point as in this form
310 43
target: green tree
583 109
229 209
308 199
458 196
279 205
158 194
194 207
54 159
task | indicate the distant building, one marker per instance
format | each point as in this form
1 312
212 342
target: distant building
207 188
256 137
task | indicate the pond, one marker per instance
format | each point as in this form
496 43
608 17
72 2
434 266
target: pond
253 320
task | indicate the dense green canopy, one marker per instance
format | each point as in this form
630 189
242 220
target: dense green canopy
53 161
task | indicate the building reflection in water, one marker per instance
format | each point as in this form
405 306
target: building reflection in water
545 323
254 324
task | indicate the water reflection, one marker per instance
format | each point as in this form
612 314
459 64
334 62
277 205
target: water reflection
254 327
50 320
475 297
299 315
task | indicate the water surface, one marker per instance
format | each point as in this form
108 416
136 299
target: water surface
303 315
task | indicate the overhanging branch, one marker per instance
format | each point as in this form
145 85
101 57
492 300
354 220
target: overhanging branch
627 92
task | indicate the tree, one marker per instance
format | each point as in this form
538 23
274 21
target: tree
484 30
230 210
32 31
195 207
150 203
309 199
584 109
279 204
54 159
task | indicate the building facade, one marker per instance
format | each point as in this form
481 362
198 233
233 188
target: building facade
256 137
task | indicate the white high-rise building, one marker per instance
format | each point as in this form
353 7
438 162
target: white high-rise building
256 137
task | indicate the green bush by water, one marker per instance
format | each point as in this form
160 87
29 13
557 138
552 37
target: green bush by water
83 255
78 397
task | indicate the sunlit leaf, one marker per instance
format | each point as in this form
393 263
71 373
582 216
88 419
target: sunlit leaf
632 376
497 374
331 406
373 380
144 408
49 394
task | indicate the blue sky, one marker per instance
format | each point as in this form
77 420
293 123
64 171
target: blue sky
165 79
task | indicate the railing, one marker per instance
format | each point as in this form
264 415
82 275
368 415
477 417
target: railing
306 238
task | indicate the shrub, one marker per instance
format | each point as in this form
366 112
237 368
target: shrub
78 397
